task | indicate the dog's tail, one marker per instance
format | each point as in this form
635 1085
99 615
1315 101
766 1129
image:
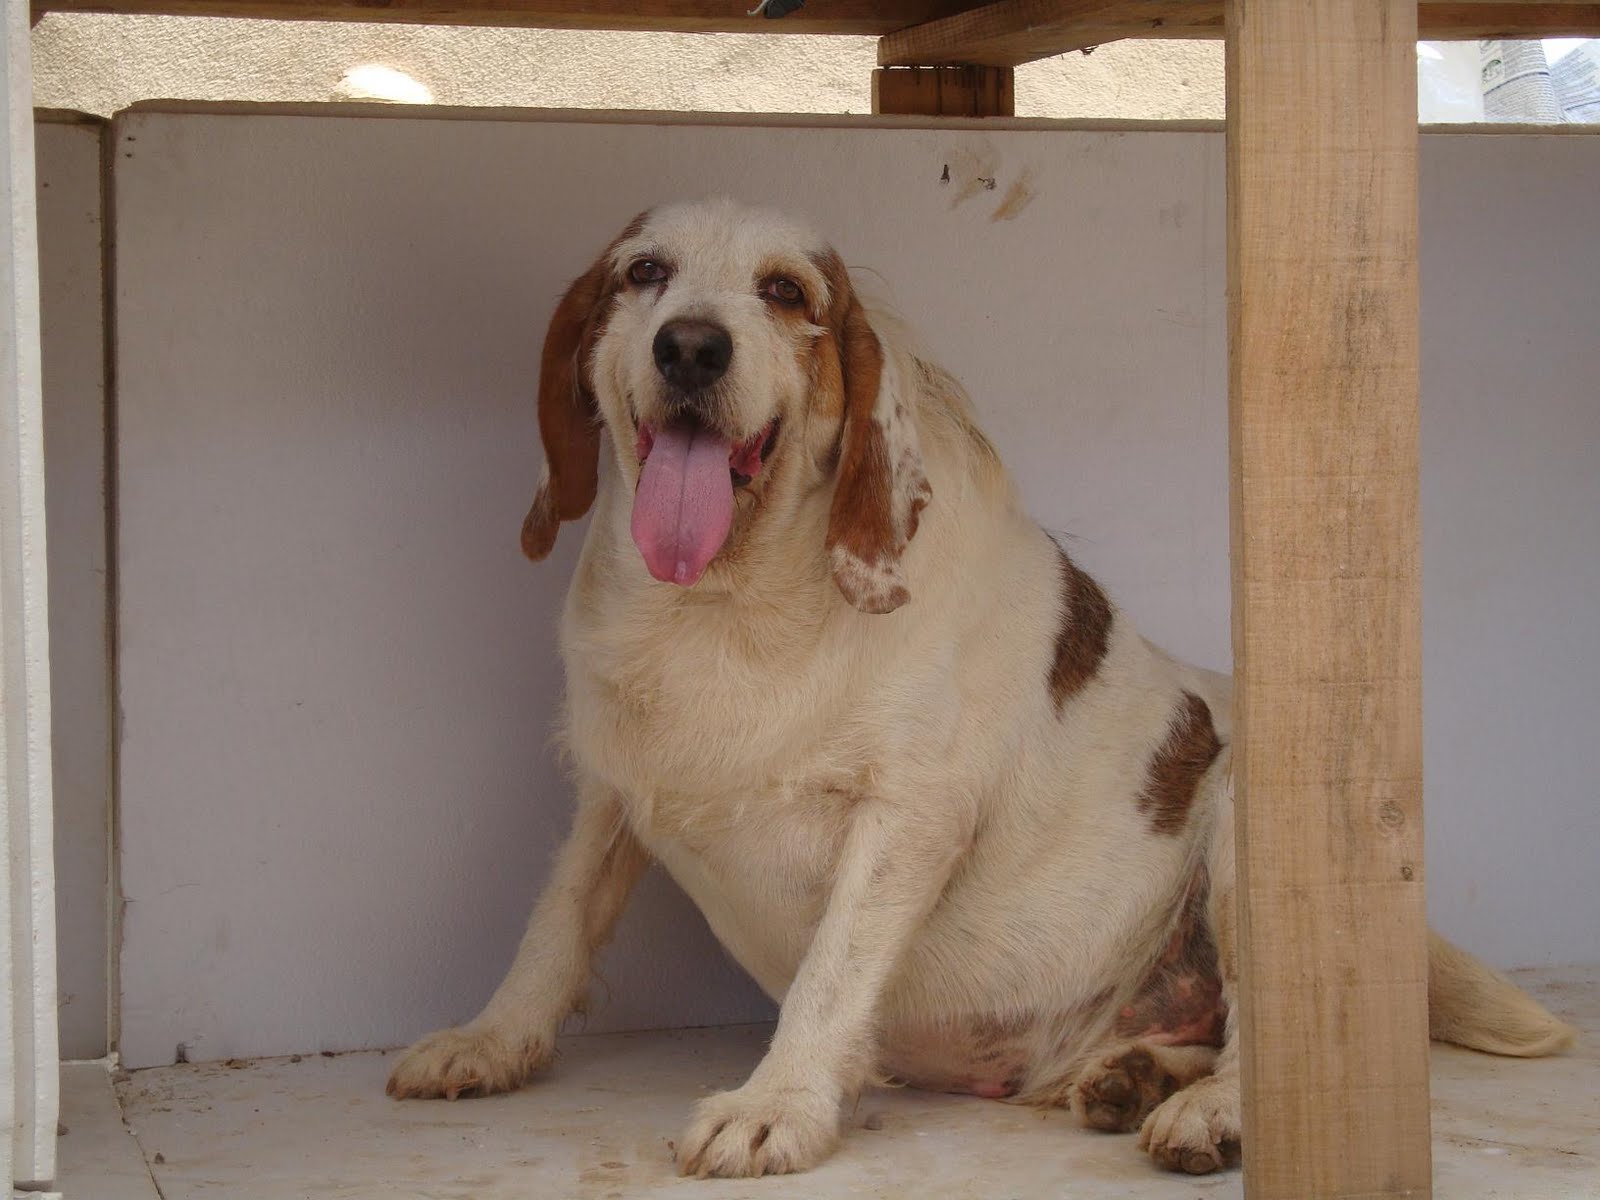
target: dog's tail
1471 1004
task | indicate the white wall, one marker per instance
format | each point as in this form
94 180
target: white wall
72 340
337 673
1511 542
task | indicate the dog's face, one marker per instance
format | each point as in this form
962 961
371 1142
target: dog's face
707 363
727 355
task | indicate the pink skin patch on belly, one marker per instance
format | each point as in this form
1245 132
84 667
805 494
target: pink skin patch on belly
995 1091
1179 1003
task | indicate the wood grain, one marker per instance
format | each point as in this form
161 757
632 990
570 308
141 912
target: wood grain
1322 262
1012 32
944 91
669 16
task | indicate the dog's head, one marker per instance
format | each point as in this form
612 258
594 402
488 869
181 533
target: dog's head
726 353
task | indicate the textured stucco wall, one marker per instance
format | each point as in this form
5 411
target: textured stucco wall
101 63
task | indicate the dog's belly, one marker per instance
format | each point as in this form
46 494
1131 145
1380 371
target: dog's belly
767 931
1028 1043
1010 1017
1032 958
993 1057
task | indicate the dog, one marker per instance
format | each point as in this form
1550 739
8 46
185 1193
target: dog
924 779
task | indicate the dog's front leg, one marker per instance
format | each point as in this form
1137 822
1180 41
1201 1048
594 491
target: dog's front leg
515 1034
896 859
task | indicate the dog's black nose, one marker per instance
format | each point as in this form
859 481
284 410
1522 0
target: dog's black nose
692 355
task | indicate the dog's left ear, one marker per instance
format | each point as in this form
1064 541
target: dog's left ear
569 420
881 489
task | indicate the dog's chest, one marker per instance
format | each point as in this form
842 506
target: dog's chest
758 865
738 763
702 702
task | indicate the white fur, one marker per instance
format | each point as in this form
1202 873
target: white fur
885 819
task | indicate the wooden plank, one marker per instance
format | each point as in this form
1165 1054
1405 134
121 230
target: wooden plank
1466 20
29 1076
1012 32
944 91
1322 283
917 32
671 16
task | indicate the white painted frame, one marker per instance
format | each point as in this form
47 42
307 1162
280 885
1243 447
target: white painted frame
29 1079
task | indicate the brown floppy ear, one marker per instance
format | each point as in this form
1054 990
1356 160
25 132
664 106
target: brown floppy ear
569 421
881 488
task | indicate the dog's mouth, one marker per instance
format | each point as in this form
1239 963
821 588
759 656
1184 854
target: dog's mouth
683 505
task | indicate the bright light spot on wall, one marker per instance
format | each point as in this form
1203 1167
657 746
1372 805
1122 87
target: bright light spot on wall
375 82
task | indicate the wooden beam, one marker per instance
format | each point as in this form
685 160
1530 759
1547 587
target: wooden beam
1009 33
1467 20
1322 388
944 91
1012 32
669 16
917 32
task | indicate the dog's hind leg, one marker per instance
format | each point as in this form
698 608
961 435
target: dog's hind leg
1197 1129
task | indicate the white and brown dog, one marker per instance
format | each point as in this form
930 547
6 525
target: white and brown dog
926 782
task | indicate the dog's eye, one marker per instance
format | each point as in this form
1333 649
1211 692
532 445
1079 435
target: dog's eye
784 291
647 270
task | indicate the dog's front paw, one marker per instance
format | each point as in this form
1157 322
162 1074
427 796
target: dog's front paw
1196 1130
466 1062
759 1130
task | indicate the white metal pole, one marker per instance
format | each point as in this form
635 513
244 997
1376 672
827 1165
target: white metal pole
29 1078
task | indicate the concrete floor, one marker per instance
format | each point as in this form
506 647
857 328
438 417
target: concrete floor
601 1125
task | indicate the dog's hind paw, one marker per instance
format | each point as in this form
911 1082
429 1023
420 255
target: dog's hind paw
1118 1092
1197 1130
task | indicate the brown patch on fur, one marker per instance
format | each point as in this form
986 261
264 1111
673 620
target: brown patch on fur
862 519
1190 749
862 523
569 421
1084 634
1179 1002
822 357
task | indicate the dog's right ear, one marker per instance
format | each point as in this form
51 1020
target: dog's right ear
569 420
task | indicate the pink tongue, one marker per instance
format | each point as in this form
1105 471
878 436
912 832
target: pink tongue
683 507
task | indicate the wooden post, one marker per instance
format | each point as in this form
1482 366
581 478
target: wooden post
944 91
1322 278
